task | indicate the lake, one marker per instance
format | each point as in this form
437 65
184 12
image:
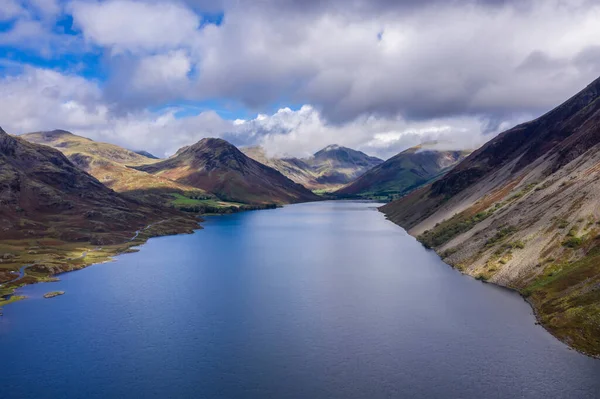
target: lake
318 300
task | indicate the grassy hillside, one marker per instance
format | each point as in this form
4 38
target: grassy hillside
110 164
402 173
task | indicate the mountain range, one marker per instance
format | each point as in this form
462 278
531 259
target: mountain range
218 167
523 211
111 165
327 170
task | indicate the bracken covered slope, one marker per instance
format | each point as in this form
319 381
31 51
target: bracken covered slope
402 173
523 211
216 166
110 163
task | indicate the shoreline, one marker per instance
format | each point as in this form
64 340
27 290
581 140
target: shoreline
109 252
119 249
536 314
128 247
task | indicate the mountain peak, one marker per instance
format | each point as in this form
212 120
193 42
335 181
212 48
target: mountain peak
332 147
209 144
214 141
344 154
56 133
217 166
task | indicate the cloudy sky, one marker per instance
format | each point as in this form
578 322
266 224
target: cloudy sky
292 75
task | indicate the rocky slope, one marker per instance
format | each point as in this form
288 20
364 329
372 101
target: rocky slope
327 170
523 211
218 167
402 173
110 164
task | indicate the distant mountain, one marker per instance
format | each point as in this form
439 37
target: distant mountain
42 194
340 165
328 169
146 154
216 166
293 168
524 211
110 164
402 173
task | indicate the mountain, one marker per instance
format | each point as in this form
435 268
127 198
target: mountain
523 211
326 170
110 164
293 168
337 165
402 173
45 195
53 214
216 166
146 154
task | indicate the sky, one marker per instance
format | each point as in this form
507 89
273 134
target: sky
291 75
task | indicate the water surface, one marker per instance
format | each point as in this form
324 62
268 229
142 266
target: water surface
322 300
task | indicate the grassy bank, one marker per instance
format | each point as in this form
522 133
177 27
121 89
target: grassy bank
49 257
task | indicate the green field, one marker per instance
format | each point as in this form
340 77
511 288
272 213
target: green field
183 201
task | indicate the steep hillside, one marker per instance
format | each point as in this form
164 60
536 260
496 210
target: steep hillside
327 170
523 211
218 167
110 163
49 208
337 165
402 173
294 169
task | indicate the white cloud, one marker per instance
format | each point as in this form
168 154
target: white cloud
44 100
380 75
162 70
433 62
41 99
11 9
47 8
128 25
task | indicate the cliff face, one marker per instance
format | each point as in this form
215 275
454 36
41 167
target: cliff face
523 211
218 167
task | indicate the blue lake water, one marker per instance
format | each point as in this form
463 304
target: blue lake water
320 300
